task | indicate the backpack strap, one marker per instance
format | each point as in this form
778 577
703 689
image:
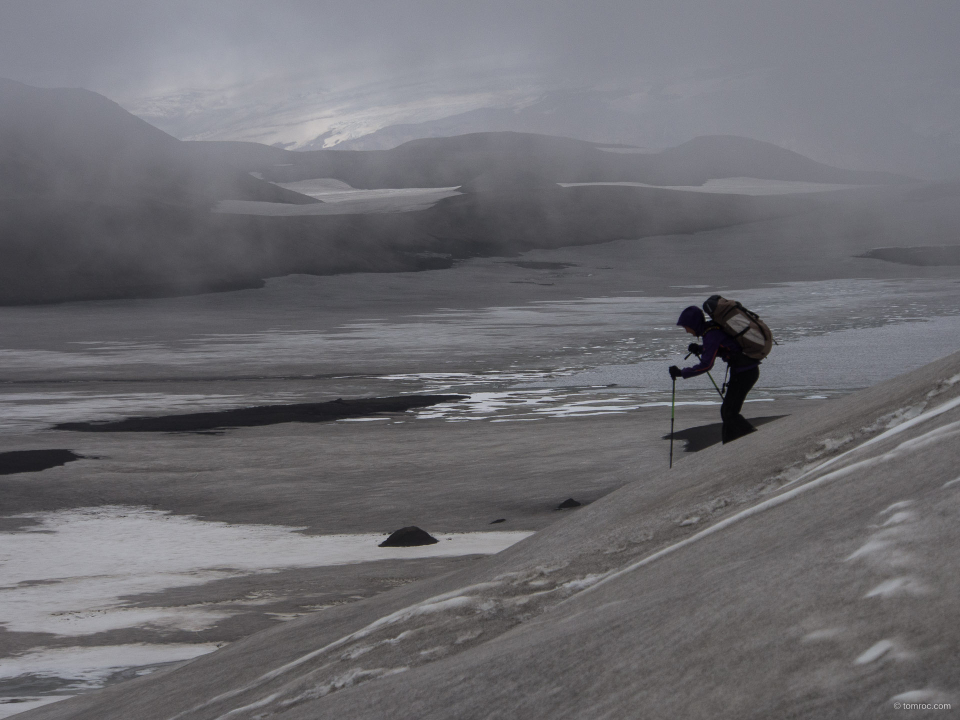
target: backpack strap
749 313
712 325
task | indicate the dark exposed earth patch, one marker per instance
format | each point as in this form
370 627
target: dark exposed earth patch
703 436
568 503
264 415
411 536
23 461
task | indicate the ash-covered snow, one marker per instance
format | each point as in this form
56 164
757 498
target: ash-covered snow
857 633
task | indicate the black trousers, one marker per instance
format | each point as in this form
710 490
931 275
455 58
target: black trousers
736 425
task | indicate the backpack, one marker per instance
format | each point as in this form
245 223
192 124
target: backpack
750 332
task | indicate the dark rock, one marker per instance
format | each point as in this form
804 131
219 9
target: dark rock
494 522
568 503
409 537
22 461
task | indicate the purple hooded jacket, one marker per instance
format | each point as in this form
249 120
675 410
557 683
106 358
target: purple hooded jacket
715 343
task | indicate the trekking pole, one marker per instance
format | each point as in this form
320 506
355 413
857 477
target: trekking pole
673 405
715 384
719 391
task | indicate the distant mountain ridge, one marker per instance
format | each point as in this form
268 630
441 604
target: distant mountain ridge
71 143
455 161
95 202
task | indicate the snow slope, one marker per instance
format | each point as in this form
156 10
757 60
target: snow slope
805 571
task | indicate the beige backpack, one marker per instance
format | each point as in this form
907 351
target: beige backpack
744 326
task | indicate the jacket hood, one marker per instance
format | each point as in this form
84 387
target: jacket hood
692 317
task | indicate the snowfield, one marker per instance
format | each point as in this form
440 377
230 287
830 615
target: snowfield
816 577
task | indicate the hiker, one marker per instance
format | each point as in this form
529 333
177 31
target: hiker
744 370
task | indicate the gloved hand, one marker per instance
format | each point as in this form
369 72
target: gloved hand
695 348
675 372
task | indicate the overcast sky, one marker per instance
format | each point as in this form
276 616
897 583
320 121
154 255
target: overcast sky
896 57
120 47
